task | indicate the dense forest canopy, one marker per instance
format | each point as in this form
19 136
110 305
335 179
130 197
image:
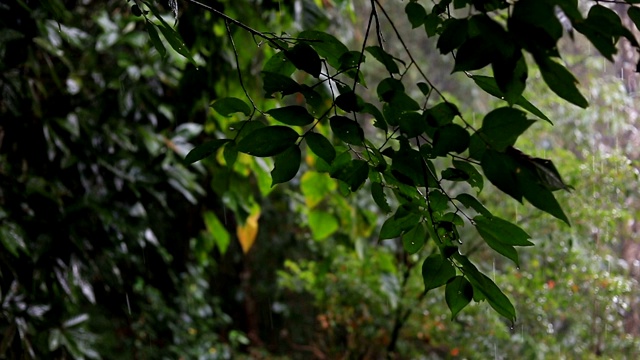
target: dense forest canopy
214 179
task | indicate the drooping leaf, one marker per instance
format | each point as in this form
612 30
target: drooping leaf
174 39
286 164
501 127
436 271
320 146
231 105
538 195
379 122
217 231
511 76
248 232
377 192
155 38
204 150
473 203
305 58
548 175
424 88
389 87
294 115
488 84
382 56
492 293
347 130
458 294
268 141
502 236
501 170
561 81
414 239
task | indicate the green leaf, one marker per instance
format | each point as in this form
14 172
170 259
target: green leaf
450 138
561 81
379 122
305 58
315 187
403 220
500 230
414 239
538 195
204 150
286 164
388 87
424 88
458 294
279 64
473 203
488 84
243 128
475 178
453 35
347 130
273 83
475 53
382 56
481 283
217 230
436 271
230 154
292 115
511 76
416 14
431 24
231 105
354 174
442 114
175 40
501 169
320 146
349 102
548 175
322 224
155 38
326 45
634 15
268 141
377 192
502 236
501 127
412 124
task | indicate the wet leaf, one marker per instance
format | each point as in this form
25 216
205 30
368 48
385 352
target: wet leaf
436 271
248 231
414 239
502 127
286 164
401 221
379 197
354 174
305 58
204 150
458 294
320 146
382 56
347 130
561 81
292 115
473 203
416 14
268 141
230 105
450 138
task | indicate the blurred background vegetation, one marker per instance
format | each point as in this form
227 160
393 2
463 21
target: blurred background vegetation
111 248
